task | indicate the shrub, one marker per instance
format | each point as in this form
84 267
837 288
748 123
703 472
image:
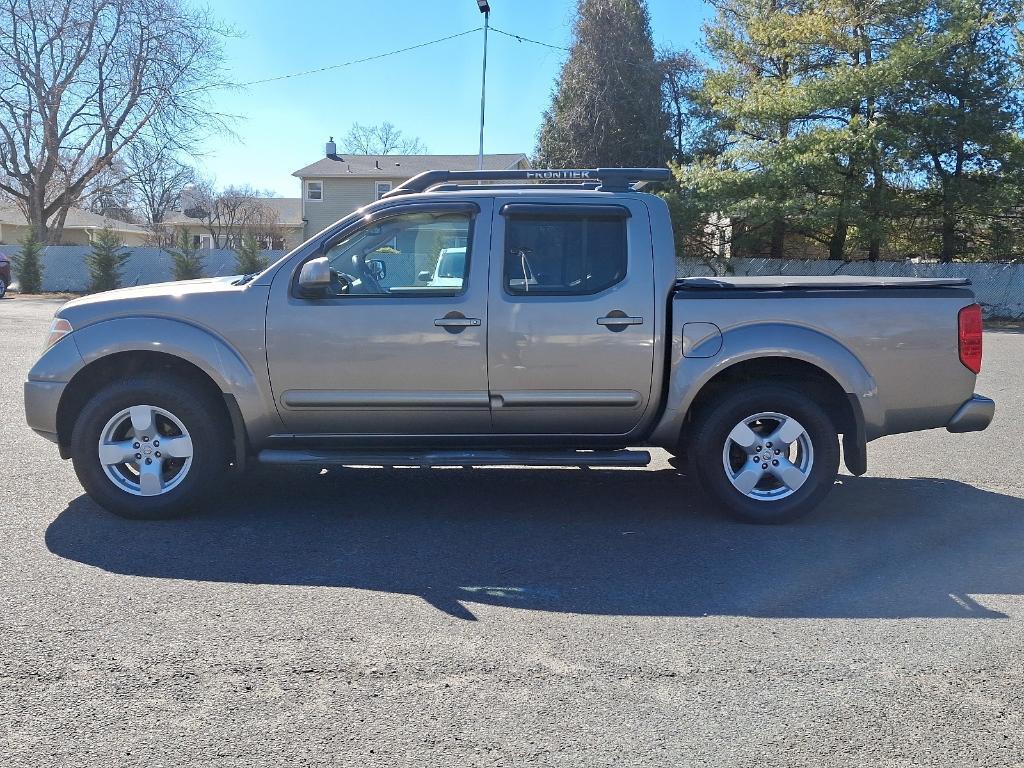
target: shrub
248 259
105 261
188 264
28 265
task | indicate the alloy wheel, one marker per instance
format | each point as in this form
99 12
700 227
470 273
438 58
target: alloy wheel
768 456
145 450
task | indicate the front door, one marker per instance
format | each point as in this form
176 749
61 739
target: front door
391 348
571 316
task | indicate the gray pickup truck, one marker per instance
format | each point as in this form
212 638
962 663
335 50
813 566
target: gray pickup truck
563 337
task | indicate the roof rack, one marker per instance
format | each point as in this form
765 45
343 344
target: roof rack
455 187
607 179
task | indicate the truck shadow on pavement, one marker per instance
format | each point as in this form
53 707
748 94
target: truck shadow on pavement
581 541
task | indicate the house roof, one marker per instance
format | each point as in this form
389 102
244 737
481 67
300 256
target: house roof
401 166
288 211
77 218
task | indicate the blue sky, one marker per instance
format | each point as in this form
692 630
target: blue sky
433 93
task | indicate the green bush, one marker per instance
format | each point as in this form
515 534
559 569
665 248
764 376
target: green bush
188 264
105 261
248 259
28 265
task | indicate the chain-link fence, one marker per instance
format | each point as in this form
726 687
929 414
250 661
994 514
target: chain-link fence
999 287
64 267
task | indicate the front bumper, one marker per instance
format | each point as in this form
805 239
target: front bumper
973 416
41 400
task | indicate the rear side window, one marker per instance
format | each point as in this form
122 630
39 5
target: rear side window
564 253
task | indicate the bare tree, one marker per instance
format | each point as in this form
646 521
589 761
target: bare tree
383 139
82 79
230 214
155 177
109 193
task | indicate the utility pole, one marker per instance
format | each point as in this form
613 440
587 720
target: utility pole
485 9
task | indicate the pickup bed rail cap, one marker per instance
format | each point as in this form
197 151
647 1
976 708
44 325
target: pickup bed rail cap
815 282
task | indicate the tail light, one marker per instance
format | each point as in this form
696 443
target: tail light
969 328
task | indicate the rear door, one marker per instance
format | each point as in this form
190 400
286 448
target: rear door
570 346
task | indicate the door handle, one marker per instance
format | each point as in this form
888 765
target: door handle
456 323
617 320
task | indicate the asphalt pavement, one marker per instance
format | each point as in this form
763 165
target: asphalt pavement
456 617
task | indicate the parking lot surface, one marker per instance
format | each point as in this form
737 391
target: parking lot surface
456 617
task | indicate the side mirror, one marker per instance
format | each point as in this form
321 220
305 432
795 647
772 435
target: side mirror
377 268
424 276
315 276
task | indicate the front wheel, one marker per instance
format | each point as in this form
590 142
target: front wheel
150 447
766 453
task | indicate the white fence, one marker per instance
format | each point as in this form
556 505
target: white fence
999 287
64 267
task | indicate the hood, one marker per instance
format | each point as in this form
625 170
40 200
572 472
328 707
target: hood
167 299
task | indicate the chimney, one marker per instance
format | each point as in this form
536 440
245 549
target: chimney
332 149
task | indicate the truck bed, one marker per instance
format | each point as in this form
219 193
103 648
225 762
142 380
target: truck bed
814 283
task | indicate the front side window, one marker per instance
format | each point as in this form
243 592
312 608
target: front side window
412 253
564 254
314 190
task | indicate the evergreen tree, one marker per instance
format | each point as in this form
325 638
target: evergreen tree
105 260
28 264
248 258
762 55
188 263
862 125
963 115
607 106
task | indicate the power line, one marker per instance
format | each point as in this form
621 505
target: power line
350 63
522 39
377 56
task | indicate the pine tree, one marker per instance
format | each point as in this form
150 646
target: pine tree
28 264
607 107
248 258
761 53
963 113
802 88
105 260
188 263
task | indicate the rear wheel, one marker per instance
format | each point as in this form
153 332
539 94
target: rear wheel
150 447
765 453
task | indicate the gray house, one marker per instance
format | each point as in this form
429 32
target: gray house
336 185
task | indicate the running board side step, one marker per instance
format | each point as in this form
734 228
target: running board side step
616 458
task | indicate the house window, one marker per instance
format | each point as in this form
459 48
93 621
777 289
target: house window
383 187
202 242
314 190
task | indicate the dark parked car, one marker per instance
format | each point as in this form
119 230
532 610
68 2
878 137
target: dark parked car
5 274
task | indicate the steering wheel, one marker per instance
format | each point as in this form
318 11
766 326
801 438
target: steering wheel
341 284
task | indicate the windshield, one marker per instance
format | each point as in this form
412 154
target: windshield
452 263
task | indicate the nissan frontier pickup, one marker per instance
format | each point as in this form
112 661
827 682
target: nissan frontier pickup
550 330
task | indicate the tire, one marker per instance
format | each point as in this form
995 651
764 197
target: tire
3 288
180 475
790 477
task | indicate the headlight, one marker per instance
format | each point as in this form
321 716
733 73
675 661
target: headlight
59 328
